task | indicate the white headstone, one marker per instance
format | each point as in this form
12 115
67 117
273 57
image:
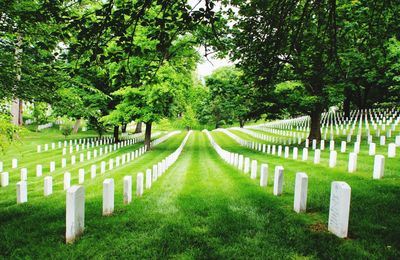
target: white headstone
110 164
332 145
305 154
48 185
253 169
398 140
67 180
75 215
155 172
63 162
278 180
280 150
22 192
148 179
372 148
264 175
339 209
39 170
343 147
322 145
392 150
352 167
4 179
139 184
295 153
332 159
382 140
356 147
93 171
317 156
246 165
108 197
81 173
81 157
73 159
14 163
102 167
24 174
240 164
300 192
286 155
52 166
127 189
379 166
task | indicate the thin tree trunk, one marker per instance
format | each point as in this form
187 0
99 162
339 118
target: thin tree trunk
16 107
138 128
346 107
147 136
315 128
123 128
76 125
116 133
241 123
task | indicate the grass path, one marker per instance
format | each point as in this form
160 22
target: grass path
202 208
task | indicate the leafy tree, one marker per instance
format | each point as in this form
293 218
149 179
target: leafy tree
229 98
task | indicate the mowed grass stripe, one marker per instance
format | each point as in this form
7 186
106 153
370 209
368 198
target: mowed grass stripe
374 206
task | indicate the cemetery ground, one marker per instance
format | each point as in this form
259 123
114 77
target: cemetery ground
202 207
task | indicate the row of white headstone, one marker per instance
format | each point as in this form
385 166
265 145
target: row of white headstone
22 191
337 119
301 124
91 143
75 201
340 191
39 168
352 162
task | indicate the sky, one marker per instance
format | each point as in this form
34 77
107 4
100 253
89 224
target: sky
206 67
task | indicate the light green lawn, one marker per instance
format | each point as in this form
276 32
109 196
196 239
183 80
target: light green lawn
204 208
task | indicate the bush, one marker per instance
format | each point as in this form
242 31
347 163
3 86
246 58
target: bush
66 129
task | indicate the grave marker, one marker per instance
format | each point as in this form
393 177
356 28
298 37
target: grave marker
127 189
300 192
379 165
108 197
48 185
22 192
339 209
75 213
278 180
264 175
139 184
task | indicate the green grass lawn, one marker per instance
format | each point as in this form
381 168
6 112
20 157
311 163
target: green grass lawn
202 208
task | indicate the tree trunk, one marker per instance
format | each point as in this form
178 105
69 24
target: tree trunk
147 136
241 123
116 133
123 128
346 107
138 128
16 111
16 106
76 125
315 128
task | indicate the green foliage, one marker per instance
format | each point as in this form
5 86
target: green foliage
66 128
39 113
229 98
9 133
